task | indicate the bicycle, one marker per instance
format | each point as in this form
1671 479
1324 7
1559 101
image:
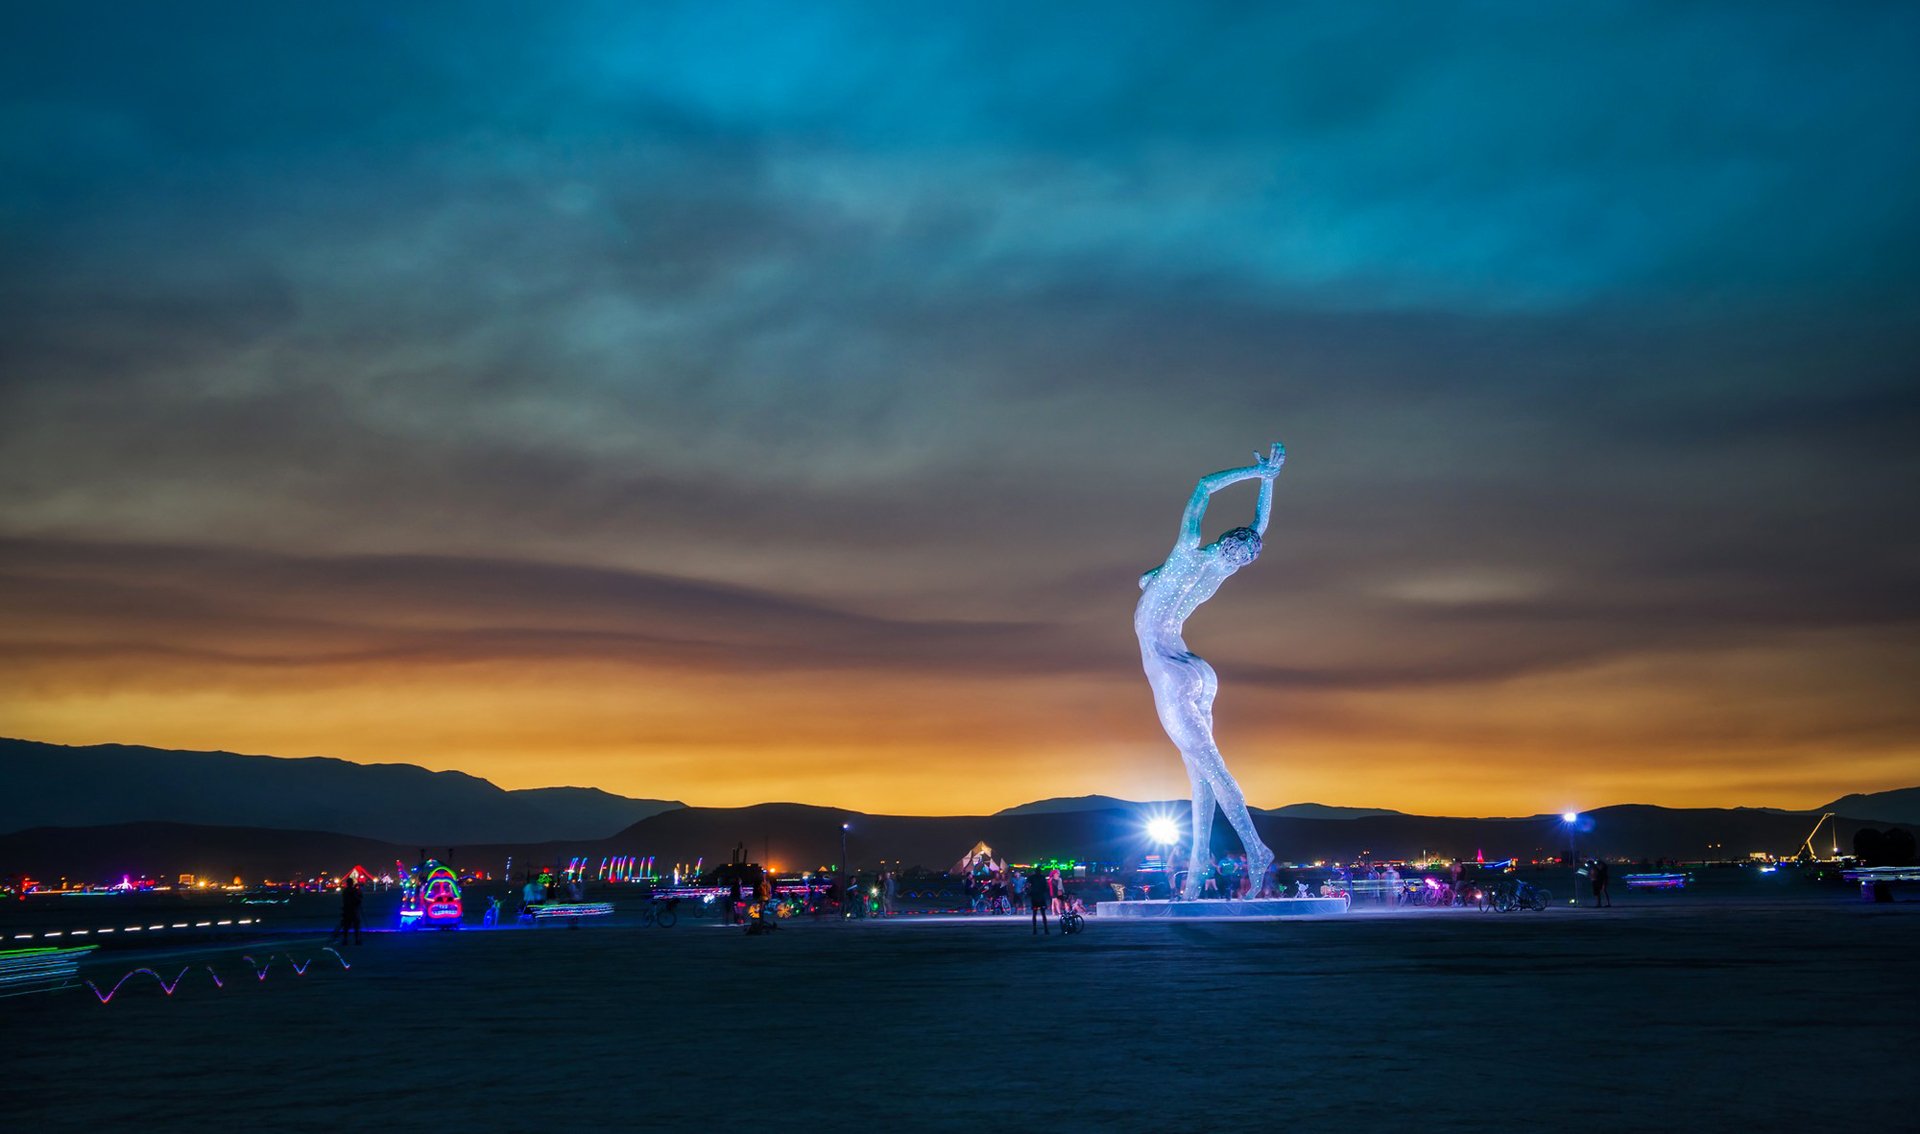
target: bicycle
1071 922
659 911
1521 896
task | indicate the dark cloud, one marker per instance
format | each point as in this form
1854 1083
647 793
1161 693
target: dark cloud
632 335
249 608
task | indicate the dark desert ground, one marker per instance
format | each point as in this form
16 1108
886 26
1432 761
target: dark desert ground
1787 1011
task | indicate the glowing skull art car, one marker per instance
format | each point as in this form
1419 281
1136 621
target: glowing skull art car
433 900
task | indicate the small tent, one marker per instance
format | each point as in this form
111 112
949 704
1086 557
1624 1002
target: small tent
981 856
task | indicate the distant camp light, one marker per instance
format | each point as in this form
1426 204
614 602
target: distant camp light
1569 816
1163 830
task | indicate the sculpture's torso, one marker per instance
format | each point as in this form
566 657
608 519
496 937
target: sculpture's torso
1170 597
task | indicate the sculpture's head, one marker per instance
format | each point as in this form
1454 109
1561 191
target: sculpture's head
1239 547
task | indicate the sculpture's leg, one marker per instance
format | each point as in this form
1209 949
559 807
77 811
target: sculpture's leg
1200 848
1224 789
1204 758
1227 792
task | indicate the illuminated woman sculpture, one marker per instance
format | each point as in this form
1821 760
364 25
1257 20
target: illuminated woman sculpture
1183 683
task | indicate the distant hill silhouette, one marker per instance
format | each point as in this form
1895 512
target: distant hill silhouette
1062 803
1901 805
52 785
104 810
1325 811
794 836
167 850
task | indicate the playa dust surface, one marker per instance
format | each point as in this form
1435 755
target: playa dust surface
1737 1016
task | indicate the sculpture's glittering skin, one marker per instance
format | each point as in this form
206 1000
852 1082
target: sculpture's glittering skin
1183 683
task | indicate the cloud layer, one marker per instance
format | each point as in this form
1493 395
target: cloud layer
701 405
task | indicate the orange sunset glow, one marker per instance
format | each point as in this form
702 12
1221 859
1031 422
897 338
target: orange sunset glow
725 719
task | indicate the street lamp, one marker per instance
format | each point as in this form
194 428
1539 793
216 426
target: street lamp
1570 818
1164 830
844 828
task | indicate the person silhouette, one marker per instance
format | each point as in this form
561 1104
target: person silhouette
1039 897
350 909
1183 683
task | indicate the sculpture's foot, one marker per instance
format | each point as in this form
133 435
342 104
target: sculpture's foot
1257 867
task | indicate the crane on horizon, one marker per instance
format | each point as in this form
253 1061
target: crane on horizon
1807 845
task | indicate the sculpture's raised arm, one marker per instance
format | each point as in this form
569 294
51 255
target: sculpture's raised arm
1266 468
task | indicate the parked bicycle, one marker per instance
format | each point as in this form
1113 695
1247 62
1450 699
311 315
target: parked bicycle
1521 896
660 912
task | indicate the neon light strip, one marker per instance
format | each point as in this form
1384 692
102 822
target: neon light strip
40 969
106 997
49 933
167 987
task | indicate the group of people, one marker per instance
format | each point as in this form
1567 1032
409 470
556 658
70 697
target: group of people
855 898
1047 893
1231 877
1228 877
546 888
1385 881
759 901
1042 891
1007 889
750 903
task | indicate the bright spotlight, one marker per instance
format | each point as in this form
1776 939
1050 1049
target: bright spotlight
1569 816
1163 830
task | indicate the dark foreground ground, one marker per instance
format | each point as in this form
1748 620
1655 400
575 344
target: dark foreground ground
1745 1016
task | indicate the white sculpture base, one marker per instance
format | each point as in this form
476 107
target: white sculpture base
1223 909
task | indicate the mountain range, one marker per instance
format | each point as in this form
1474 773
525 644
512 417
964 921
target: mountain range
53 785
100 811
1901 805
1065 803
791 836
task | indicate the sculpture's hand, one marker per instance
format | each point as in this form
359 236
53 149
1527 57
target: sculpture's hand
1269 465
